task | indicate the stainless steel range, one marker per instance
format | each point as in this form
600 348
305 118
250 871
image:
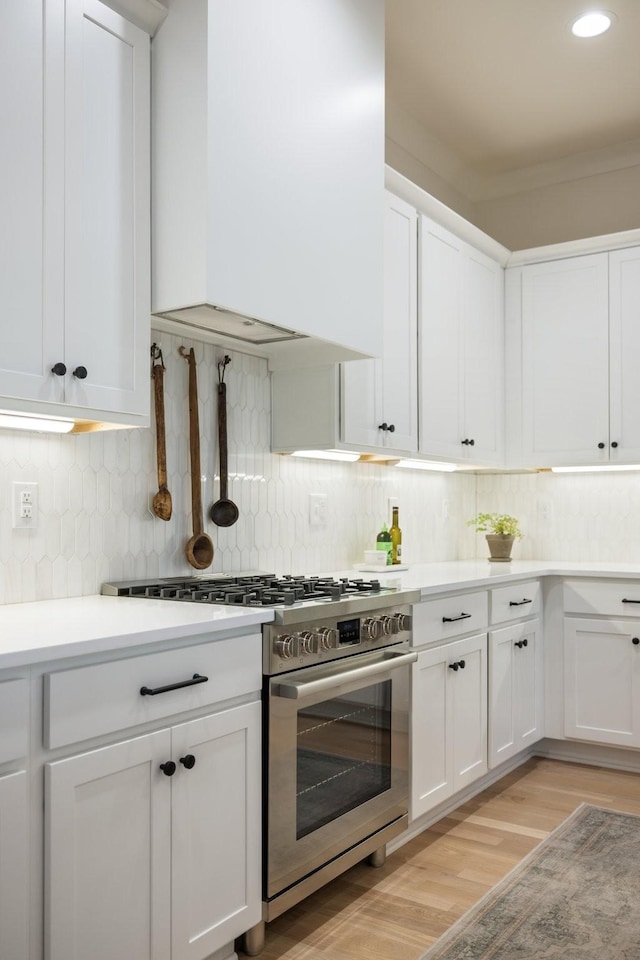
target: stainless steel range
336 712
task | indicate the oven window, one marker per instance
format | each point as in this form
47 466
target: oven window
343 755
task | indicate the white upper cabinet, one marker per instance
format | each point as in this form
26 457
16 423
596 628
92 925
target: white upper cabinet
74 270
461 349
268 172
573 345
379 397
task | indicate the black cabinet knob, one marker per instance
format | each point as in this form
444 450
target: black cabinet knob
461 662
168 768
80 373
392 427
468 443
383 426
189 761
59 369
453 666
601 446
635 641
522 643
614 444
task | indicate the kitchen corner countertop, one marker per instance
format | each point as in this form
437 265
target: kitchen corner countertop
54 629
434 578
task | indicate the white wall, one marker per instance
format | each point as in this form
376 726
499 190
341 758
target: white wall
94 522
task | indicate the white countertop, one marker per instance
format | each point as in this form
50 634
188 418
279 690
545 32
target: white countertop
433 578
52 629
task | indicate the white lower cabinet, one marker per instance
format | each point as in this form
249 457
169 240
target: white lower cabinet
152 844
449 720
602 681
14 889
515 690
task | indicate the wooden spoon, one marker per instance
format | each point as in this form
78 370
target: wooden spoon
224 512
161 504
199 548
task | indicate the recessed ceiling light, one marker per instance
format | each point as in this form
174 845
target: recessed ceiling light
591 24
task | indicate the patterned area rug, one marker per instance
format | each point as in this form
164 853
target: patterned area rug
575 897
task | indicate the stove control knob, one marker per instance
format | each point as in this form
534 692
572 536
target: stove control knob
327 638
371 628
389 625
306 643
403 621
284 646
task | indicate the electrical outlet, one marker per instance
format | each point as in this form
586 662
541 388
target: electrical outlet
317 509
25 505
545 511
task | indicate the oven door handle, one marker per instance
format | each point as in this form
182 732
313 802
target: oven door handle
296 690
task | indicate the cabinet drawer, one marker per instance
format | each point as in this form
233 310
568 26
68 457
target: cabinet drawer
14 719
611 598
442 619
88 702
516 601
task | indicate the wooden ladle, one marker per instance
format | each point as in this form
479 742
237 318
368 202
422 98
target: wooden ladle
199 548
161 504
224 512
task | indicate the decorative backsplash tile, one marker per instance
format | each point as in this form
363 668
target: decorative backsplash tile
95 491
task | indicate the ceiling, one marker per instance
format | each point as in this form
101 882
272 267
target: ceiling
507 97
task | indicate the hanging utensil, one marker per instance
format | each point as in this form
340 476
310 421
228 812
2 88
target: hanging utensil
161 504
224 512
199 548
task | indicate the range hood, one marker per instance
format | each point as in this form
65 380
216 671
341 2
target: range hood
268 176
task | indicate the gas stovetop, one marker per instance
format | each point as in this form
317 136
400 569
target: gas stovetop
290 596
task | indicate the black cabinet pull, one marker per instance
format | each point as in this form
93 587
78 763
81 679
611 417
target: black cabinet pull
454 666
189 761
80 373
518 603
59 369
168 768
635 641
149 692
601 446
463 616
630 601
468 443
614 444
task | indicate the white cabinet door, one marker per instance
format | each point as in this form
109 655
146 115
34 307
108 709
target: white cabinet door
483 357
431 750
624 350
216 831
107 880
448 721
461 330
14 898
107 210
602 681
565 365
74 211
31 201
515 690
440 353
469 709
380 397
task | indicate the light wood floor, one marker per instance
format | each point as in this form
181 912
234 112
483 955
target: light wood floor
395 912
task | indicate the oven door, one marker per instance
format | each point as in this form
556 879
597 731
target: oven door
337 759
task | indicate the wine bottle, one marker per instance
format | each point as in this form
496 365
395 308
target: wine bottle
383 542
396 538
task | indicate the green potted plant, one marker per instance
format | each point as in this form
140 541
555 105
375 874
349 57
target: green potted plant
500 530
